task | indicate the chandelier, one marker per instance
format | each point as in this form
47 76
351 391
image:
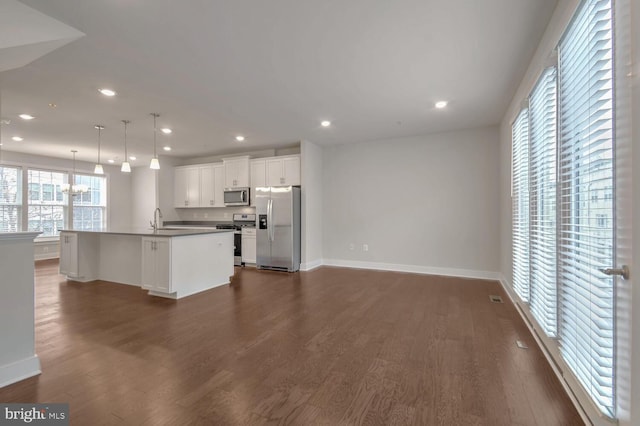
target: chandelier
74 189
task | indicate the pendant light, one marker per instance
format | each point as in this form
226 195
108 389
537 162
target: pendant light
74 189
155 164
126 167
98 169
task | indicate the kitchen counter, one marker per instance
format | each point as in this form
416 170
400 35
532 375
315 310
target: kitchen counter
172 231
171 263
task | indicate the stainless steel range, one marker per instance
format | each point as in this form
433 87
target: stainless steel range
240 220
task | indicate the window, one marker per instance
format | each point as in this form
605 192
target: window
89 208
46 213
563 202
520 204
586 227
10 199
542 231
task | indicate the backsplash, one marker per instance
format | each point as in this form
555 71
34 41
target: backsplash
222 214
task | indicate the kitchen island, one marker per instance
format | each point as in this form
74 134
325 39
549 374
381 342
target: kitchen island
172 263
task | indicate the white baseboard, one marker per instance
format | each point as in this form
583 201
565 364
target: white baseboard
46 256
416 269
308 266
45 249
19 370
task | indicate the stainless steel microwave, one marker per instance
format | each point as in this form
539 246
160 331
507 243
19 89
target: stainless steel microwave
236 196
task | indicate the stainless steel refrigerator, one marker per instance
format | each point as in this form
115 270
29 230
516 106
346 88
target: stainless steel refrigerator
278 228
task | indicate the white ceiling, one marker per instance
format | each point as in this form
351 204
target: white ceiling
269 70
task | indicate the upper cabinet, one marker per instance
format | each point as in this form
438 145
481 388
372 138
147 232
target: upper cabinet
186 190
207 186
199 186
258 171
203 185
218 177
236 172
283 170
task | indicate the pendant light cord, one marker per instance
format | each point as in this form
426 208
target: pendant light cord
155 131
99 127
126 156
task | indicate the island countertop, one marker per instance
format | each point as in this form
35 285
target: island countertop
172 263
149 232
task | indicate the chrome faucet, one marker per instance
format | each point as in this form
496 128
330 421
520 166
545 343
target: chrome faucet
157 214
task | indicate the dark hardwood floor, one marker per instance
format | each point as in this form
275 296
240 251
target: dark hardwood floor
332 346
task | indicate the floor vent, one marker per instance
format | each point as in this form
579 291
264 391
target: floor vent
495 299
521 344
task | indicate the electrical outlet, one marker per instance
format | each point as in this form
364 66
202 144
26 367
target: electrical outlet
206 215
352 247
365 247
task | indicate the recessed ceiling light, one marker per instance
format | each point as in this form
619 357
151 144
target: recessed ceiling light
441 104
107 92
325 123
166 130
239 138
111 161
17 139
133 158
26 116
167 148
52 105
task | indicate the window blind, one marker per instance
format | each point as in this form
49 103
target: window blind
46 203
542 192
586 235
520 204
90 208
10 199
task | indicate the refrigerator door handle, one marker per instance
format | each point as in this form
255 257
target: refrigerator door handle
270 219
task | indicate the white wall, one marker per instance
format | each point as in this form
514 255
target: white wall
143 196
311 165
628 306
18 359
425 204
165 187
635 298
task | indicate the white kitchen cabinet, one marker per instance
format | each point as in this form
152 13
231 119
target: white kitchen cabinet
69 254
156 264
283 170
186 190
207 186
236 172
218 178
199 185
258 169
248 245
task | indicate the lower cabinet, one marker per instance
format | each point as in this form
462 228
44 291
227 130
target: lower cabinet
69 254
248 245
156 264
